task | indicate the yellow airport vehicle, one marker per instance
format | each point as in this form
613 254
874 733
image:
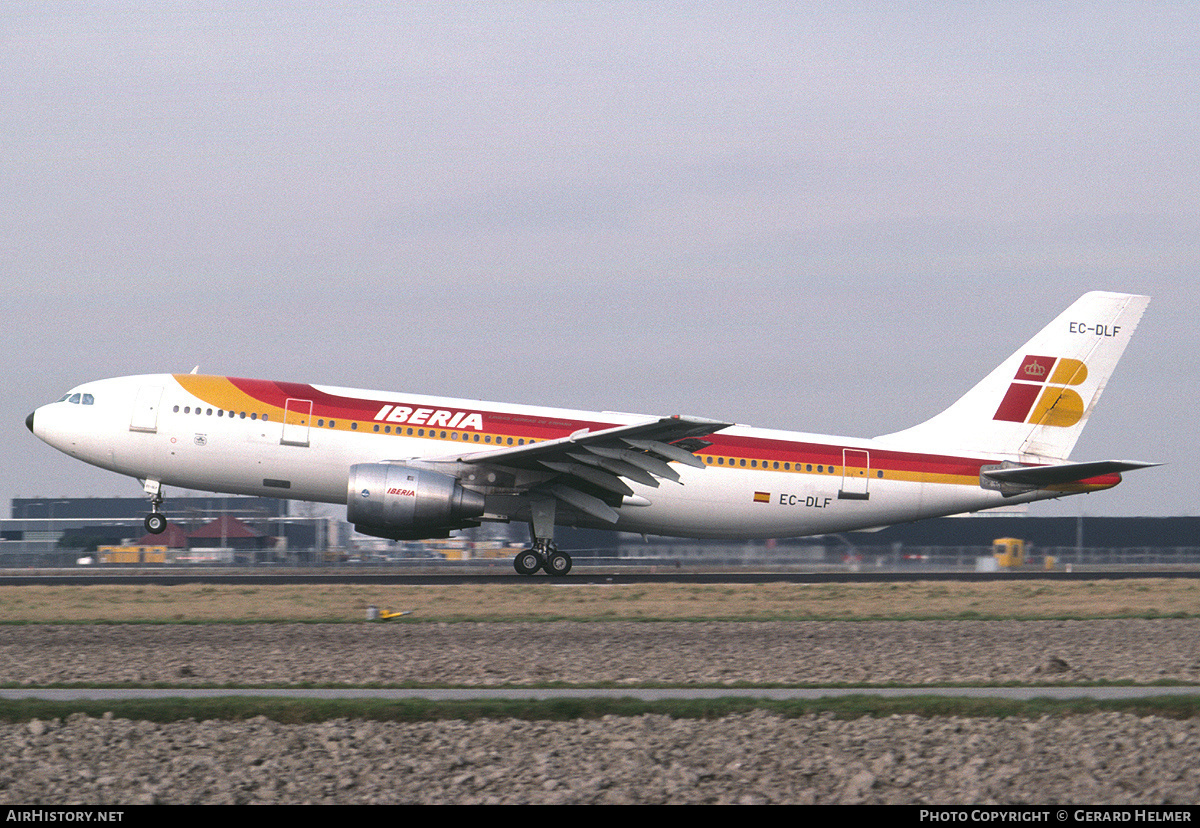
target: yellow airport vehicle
1009 552
1014 552
132 554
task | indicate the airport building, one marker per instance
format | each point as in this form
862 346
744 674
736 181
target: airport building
249 531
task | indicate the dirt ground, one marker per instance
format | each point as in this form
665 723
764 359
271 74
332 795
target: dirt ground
578 600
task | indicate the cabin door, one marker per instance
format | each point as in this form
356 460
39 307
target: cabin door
297 417
145 409
856 475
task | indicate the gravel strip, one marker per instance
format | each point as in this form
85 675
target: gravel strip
751 759
478 654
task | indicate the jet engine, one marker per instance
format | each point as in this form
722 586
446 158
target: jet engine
389 500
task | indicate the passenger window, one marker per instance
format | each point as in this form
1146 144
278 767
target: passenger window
88 399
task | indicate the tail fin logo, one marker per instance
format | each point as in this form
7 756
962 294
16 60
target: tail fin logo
1034 399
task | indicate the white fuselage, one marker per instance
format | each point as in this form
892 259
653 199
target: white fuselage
299 442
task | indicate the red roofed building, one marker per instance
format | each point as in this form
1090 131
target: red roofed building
229 533
175 537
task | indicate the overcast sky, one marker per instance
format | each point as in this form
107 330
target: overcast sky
827 217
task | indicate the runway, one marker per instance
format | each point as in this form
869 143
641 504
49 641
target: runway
582 575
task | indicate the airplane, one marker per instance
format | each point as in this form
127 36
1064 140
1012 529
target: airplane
410 467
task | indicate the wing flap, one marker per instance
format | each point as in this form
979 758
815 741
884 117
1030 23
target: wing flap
663 430
617 467
604 480
586 503
666 451
589 469
645 462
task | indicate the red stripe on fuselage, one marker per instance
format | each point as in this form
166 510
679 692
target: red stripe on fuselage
356 408
535 427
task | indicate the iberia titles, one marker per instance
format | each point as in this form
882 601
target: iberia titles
435 417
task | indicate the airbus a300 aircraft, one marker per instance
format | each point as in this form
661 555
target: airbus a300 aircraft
412 467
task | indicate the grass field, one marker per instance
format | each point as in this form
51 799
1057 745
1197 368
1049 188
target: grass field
591 602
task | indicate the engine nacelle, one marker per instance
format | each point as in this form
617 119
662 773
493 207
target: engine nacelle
389 500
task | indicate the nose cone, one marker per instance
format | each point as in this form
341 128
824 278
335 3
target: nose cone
29 422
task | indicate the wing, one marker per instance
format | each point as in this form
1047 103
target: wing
586 470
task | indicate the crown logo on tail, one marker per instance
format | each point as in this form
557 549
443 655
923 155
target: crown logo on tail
1031 399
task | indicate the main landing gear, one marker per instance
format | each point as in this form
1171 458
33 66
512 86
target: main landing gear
156 521
543 554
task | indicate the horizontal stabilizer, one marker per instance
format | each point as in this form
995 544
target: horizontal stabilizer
1057 475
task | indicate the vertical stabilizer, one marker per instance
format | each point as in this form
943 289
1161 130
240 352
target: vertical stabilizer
1034 406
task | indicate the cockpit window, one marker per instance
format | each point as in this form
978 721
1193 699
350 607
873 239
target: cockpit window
77 398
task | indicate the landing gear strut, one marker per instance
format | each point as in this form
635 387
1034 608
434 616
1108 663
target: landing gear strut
156 521
543 554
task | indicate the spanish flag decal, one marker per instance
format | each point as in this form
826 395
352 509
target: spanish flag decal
762 497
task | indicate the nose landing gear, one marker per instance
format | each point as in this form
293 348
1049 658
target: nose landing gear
156 521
